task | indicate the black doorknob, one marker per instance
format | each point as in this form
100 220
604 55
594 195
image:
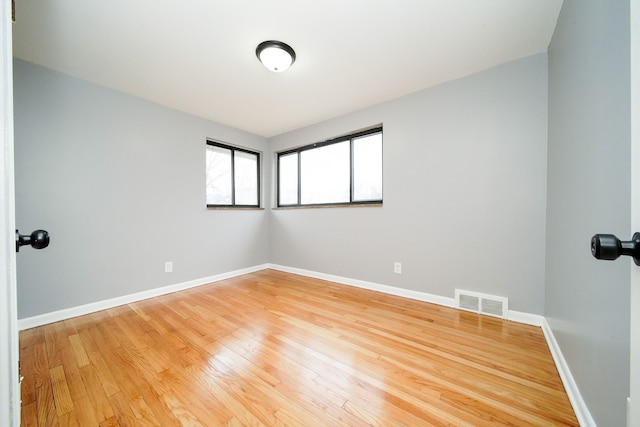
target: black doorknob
609 247
39 239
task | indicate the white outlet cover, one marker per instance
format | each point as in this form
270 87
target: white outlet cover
397 267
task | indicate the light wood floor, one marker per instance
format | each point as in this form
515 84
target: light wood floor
271 348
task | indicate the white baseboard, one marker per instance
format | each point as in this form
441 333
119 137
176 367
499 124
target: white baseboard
56 316
68 313
391 290
579 406
515 316
526 318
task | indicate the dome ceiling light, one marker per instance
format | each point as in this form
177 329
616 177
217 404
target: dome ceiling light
276 56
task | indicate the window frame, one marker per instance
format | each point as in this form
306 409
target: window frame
233 150
350 137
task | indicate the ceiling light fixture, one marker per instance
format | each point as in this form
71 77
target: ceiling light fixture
275 55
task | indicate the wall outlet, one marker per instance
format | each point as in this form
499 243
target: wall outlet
168 266
397 267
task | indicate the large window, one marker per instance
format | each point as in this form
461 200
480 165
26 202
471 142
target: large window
233 176
346 170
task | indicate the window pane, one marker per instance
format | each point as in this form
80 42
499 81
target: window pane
246 178
288 179
325 174
218 176
367 168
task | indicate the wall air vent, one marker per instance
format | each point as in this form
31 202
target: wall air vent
467 302
490 305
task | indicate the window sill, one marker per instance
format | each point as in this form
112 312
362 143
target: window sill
360 205
233 208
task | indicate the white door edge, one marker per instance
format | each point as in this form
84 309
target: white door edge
633 403
9 353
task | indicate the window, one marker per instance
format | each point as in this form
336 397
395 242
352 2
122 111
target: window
233 176
341 171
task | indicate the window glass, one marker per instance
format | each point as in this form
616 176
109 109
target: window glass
246 178
218 176
288 178
324 174
367 167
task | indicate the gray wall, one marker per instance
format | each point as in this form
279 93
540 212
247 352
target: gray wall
119 184
589 178
464 192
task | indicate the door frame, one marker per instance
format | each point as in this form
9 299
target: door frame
9 345
633 404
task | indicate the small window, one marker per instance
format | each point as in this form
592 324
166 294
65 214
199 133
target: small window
341 171
233 176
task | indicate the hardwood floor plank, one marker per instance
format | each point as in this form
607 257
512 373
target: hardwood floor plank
107 328
142 412
72 373
105 377
29 414
205 406
122 373
271 348
54 340
134 384
85 412
27 364
242 416
123 415
82 359
45 406
40 365
69 420
61 395
180 411
101 407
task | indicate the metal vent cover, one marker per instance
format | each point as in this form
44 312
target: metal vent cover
480 303
469 302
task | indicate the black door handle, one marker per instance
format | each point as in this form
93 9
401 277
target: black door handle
609 247
39 239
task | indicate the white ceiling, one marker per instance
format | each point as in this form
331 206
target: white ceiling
198 56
